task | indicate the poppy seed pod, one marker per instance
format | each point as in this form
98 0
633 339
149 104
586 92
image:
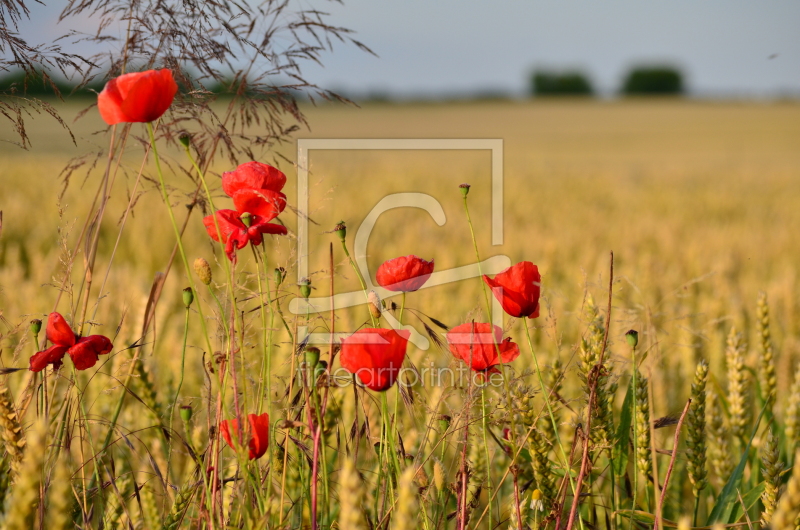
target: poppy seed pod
632 336
185 139
36 326
341 230
188 297
464 189
305 288
203 270
186 413
312 356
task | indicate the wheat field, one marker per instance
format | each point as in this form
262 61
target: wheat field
698 200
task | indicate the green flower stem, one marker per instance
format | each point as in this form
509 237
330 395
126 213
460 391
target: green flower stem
402 307
180 384
226 264
497 350
546 396
360 280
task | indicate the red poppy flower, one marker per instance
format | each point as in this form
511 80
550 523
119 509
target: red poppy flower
137 97
261 205
476 341
252 176
259 433
517 288
375 356
406 273
84 351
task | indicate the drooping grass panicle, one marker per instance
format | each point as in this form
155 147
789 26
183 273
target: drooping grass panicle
696 430
738 385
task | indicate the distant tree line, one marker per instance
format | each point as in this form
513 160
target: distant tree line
640 80
37 85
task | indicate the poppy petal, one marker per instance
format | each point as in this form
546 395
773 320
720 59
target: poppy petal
253 175
88 350
58 331
228 221
150 96
375 356
265 205
404 274
109 103
52 355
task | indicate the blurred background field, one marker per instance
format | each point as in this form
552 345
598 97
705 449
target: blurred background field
698 200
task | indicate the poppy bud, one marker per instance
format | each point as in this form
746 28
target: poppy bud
464 189
374 304
247 219
203 270
185 139
444 423
188 297
632 337
186 413
312 356
36 326
341 230
305 288
280 274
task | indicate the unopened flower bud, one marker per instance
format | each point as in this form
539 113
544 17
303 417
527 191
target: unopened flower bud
36 326
247 219
374 304
186 413
280 274
203 270
305 288
341 230
444 423
188 297
632 337
185 139
464 189
312 356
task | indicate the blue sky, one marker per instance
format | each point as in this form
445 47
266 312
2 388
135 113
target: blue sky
430 47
